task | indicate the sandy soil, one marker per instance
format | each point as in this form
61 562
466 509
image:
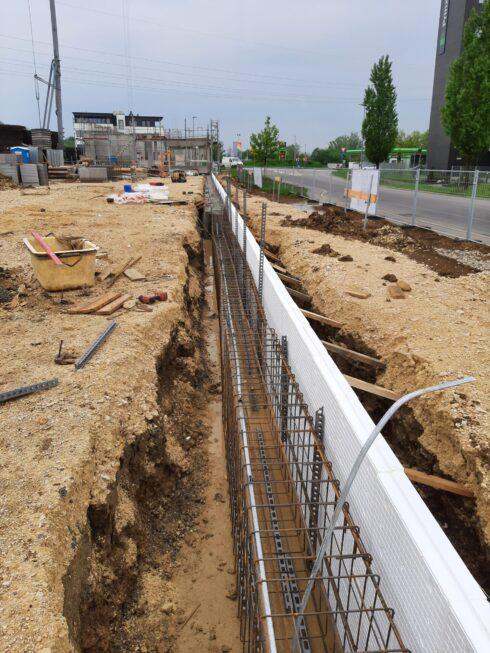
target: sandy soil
65 477
439 331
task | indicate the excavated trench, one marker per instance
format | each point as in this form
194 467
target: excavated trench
118 586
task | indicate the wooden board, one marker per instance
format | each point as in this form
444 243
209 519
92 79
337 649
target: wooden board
278 268
133 274
113 306
129 263
372 388
322 319
270 255
355 355
95 304
298 295
288 278
437 482
361 195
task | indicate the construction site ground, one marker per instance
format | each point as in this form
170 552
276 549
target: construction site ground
439 330
114 520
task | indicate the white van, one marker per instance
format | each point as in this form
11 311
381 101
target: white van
231 161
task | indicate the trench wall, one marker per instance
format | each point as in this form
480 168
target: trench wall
439 607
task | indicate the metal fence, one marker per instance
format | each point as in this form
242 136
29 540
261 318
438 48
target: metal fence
455 203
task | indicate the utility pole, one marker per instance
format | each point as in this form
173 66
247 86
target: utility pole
193 128
57 74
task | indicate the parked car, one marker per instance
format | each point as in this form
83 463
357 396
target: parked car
231 161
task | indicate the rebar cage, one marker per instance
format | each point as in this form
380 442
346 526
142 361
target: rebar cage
283 490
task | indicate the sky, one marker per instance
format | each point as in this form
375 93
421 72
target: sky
304 63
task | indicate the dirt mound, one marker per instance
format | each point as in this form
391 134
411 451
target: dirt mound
6 183
421 245
325 250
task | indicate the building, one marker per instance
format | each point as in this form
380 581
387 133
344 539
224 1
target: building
119 138
454 13
141 140
236 149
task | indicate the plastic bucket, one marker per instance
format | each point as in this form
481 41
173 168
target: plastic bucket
78 267
128 188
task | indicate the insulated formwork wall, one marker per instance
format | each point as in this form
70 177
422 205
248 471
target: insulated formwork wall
439 607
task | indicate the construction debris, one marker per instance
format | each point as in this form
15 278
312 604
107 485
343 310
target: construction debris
404 285
395 292
129 264
133 274
358 293
108 309
83 360
95 304
27 390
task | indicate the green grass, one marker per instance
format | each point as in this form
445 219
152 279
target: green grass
286 189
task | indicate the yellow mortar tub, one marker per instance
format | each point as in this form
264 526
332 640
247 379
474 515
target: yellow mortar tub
78 267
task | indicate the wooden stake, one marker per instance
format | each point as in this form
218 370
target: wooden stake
355 355
287 278
372 388
437 482
322 319
298 295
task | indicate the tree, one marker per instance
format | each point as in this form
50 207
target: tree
265 143
379 127
413 139
69 142
217 150
466 113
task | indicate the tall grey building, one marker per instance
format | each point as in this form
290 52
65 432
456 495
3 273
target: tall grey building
441 154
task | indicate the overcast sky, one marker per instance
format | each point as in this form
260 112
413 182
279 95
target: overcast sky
306 63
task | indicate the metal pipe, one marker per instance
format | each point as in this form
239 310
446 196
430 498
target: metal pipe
57 74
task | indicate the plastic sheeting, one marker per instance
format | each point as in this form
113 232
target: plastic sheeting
439 607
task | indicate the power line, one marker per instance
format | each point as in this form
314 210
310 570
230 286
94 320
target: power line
36 82
206 91
212 35
181 65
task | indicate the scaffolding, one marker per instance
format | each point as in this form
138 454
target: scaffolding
283 489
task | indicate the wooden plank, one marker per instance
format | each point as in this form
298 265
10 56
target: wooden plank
95 304
129 263
298 295
437 482
288 278
271 255
322 319
372 388
361 195
113 306
278 268
133 274
355 355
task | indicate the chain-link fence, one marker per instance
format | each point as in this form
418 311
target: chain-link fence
455 203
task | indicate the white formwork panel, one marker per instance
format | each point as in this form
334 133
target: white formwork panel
439 607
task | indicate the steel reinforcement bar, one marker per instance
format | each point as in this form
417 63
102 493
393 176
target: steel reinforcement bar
283 490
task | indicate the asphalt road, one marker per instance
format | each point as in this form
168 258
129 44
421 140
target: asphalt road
445 214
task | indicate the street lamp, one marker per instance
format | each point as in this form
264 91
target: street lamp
362 137
193 129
